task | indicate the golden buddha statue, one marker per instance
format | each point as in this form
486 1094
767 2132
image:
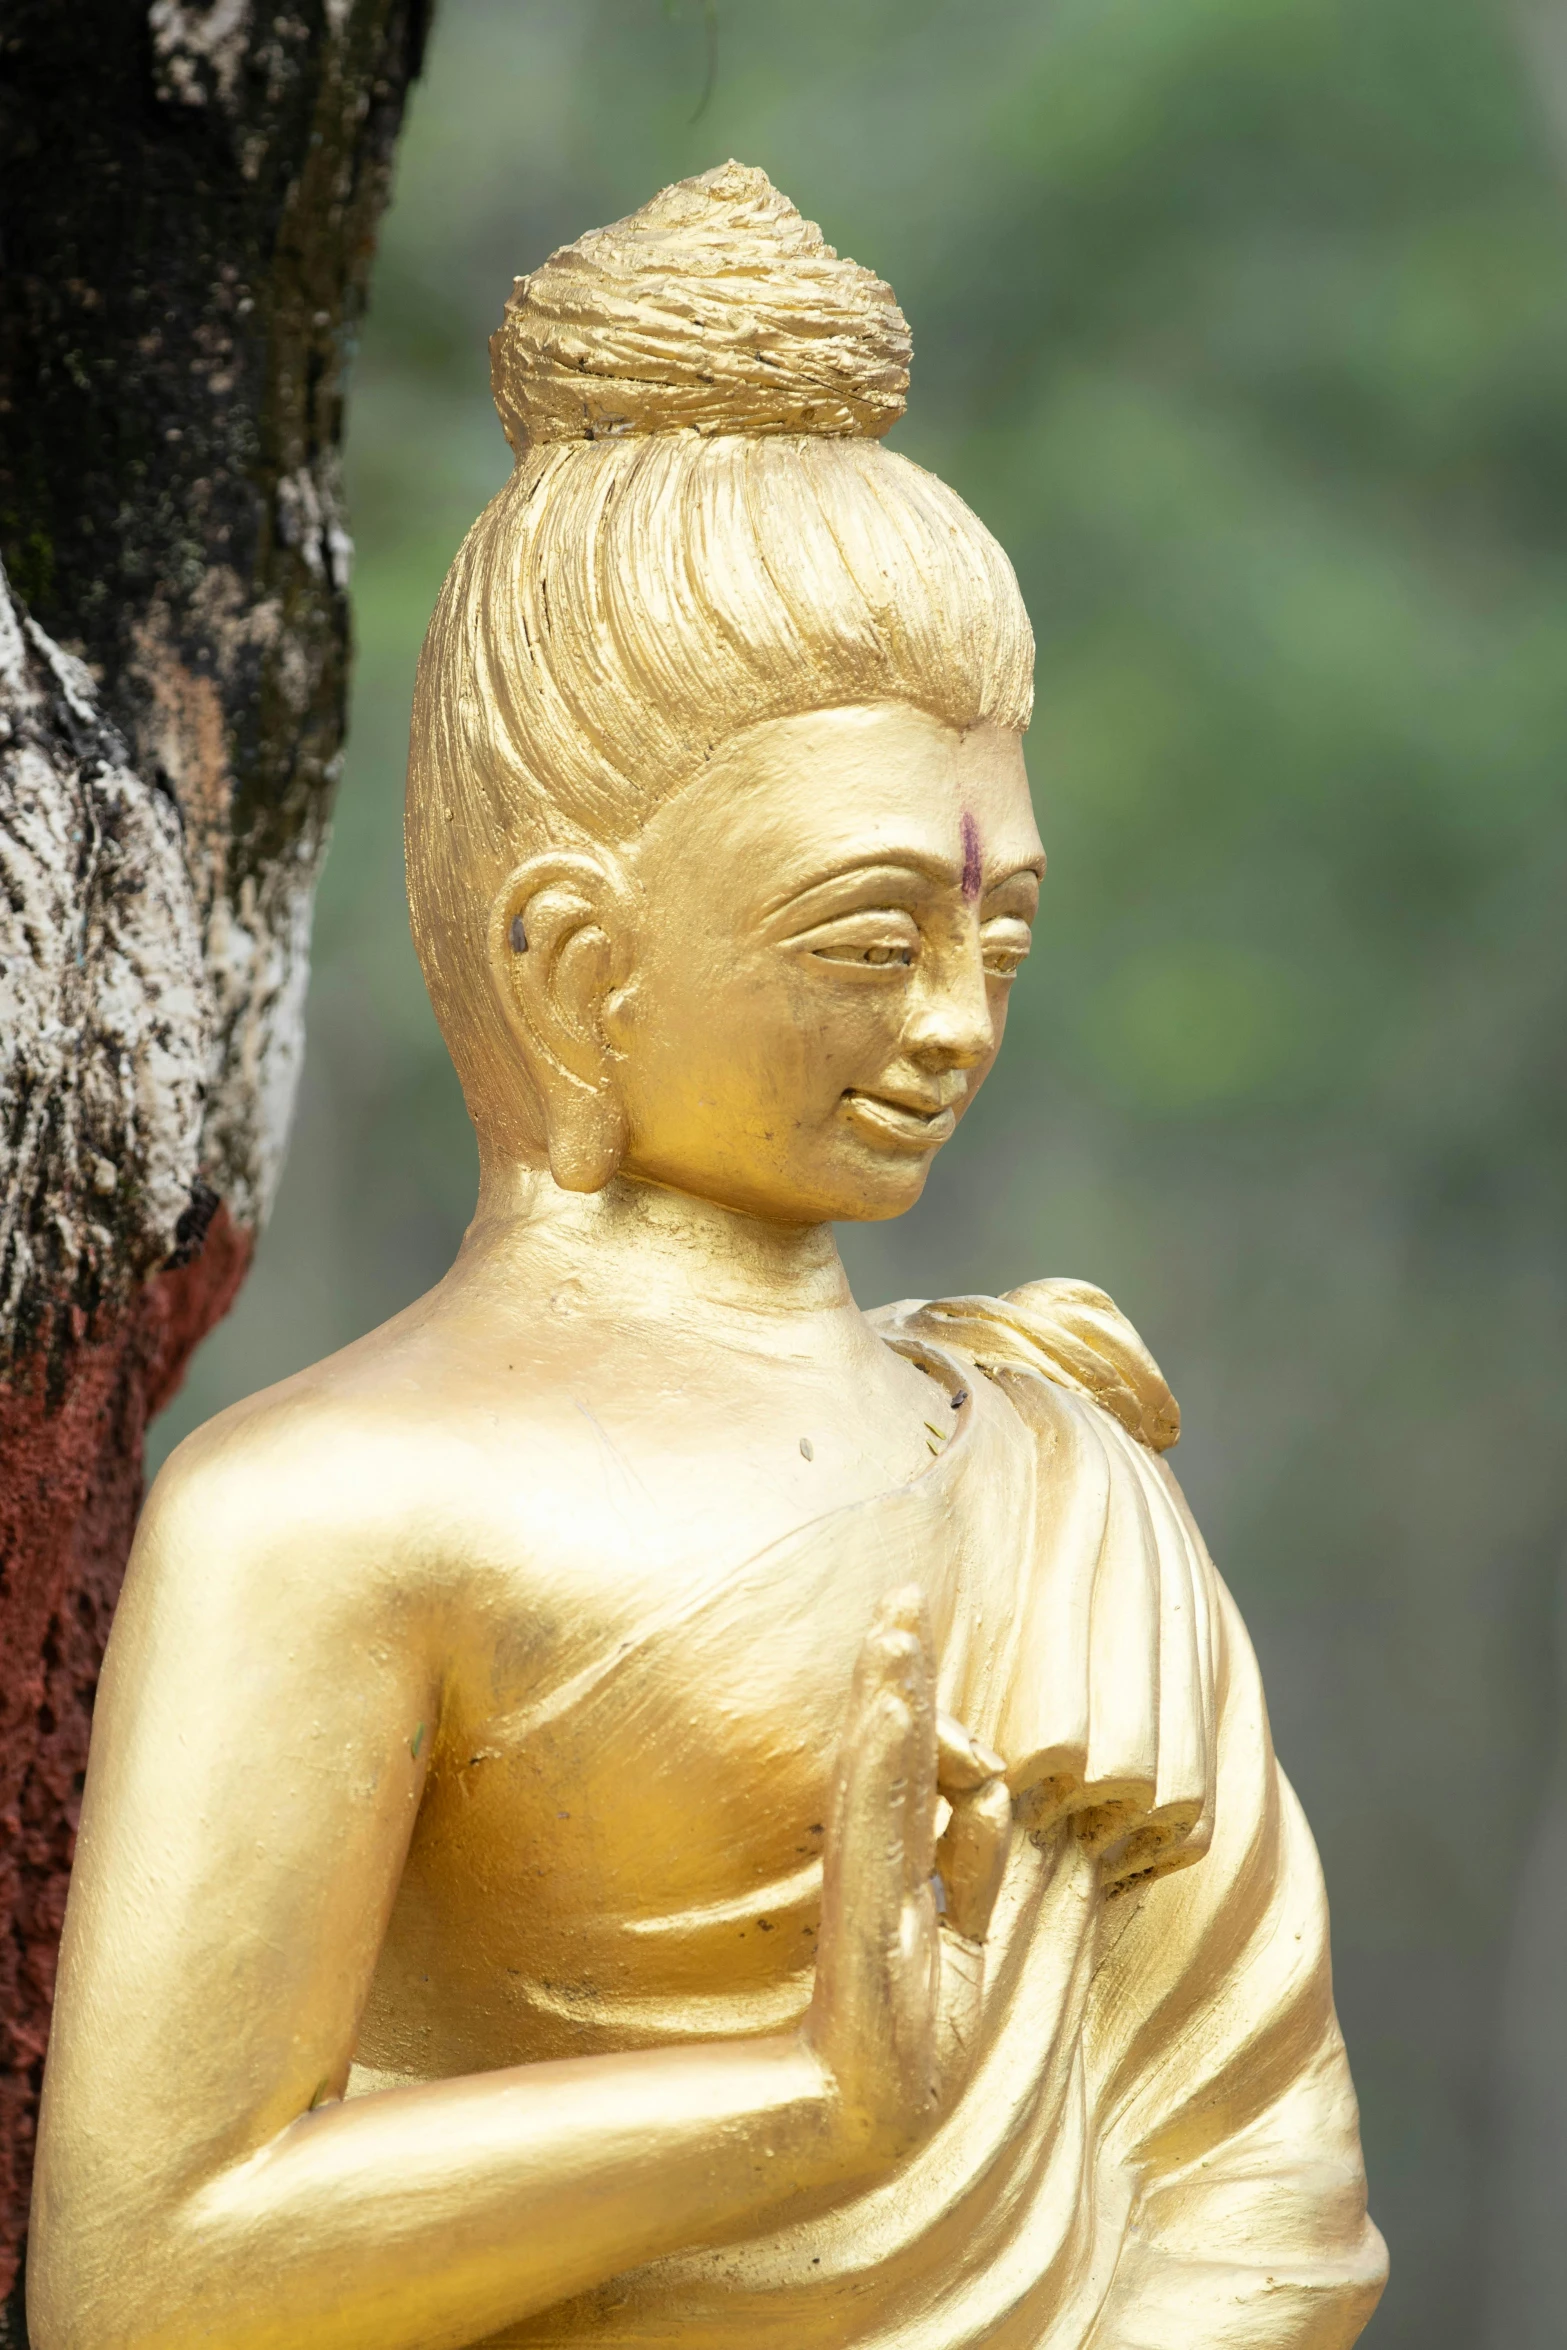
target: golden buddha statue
639 1805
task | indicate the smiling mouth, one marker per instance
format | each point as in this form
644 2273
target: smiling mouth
905 1127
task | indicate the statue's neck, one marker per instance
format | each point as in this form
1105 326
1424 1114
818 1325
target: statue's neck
637 1249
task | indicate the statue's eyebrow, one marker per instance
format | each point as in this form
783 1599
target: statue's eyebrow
911 864
914 864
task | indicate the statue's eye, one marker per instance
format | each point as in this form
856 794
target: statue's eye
1004 943
883 939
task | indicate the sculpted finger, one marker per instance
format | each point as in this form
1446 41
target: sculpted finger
962 1763
903 1625
868 1869
861 1764
972 1857
866 1863
872 1837
855 2008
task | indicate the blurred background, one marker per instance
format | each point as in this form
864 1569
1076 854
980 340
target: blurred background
1243 323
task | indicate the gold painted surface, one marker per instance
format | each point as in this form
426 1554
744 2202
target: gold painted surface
717 308
638 1805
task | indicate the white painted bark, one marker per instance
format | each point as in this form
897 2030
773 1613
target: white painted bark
151 1029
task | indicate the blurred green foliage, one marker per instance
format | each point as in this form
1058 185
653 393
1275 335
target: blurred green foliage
1244 325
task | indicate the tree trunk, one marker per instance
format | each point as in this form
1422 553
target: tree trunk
189 192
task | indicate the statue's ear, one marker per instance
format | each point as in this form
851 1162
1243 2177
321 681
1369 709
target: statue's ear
560 948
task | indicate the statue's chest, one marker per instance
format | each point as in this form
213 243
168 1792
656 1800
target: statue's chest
675 1757
620 1843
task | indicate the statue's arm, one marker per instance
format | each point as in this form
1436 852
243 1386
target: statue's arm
1237 2117
265 1724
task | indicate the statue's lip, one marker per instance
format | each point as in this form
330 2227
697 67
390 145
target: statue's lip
898 1122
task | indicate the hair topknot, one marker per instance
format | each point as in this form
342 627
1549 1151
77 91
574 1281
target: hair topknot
715 309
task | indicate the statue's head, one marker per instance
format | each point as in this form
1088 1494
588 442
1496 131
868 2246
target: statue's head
720 851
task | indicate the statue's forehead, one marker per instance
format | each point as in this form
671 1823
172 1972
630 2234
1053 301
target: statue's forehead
882 780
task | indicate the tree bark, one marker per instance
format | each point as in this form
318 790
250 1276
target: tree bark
189 192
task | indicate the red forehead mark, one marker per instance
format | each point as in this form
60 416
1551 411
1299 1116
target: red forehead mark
971 863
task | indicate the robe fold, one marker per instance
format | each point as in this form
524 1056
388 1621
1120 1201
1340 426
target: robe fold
1157 2147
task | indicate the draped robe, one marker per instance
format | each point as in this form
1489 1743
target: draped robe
1157 2147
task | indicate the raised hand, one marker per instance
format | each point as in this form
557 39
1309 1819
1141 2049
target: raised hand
896 1994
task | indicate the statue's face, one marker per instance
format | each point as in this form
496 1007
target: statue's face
831 919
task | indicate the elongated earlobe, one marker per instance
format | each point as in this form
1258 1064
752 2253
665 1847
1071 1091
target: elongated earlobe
560 943
587 1139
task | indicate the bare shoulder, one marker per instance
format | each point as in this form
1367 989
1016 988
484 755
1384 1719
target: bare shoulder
346 1479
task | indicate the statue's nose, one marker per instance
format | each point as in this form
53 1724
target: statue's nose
950 1024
